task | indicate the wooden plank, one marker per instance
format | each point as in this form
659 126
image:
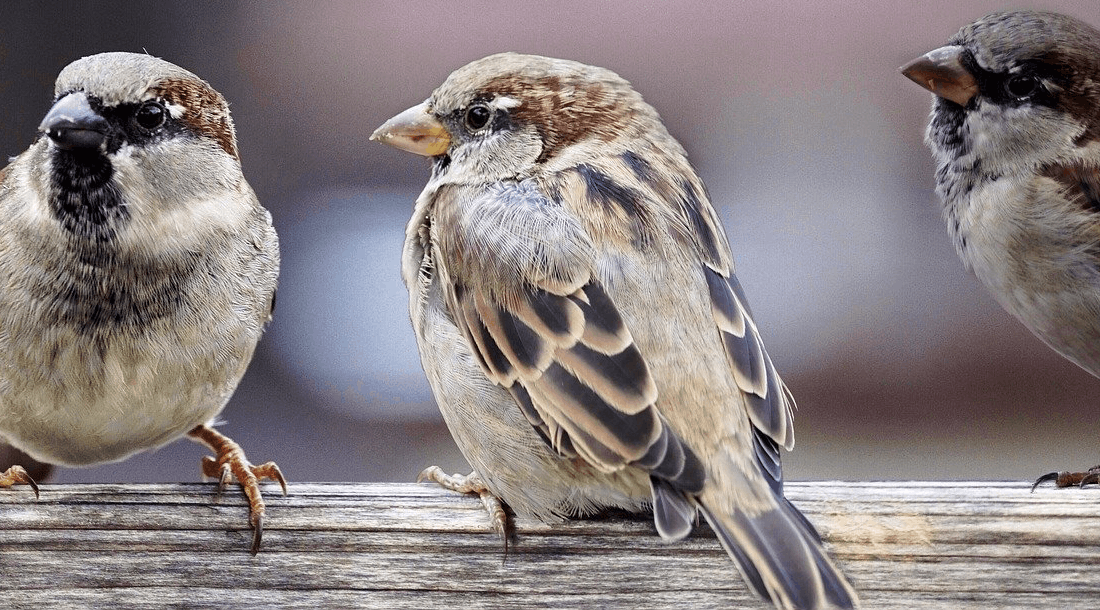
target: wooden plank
963 545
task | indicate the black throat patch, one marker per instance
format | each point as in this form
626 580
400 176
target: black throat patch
84 198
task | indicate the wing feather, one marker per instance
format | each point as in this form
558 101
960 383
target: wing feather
577 376
493 361
768 401
524 348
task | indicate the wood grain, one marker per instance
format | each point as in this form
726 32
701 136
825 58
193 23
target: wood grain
914 545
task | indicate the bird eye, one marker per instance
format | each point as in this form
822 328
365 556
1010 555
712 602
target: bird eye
151 115
1021 86
477 116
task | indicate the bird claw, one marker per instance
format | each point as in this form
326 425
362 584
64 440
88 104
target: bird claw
17 475
1092 476
473 484
230 463
1069 479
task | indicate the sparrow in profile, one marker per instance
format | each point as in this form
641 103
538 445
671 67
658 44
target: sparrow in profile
138 270
578 319
1015 135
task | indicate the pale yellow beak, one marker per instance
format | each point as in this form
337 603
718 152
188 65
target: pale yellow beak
416 131
942 72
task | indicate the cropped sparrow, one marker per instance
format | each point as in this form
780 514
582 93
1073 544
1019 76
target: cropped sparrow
138 273
573 298
1015 135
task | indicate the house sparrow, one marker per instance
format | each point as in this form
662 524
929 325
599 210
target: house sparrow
574 303
139 271
1015 134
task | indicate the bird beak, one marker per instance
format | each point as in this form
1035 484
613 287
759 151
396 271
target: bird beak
416 131
72 124
942 72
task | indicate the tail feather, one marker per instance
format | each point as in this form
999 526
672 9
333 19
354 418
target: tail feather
673 512
781 558
799 517
748 570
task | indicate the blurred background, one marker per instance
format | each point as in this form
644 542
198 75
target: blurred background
793 112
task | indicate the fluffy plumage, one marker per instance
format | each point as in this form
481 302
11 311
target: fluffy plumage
139 269
577 315
1015 134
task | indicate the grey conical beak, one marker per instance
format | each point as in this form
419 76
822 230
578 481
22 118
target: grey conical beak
72 124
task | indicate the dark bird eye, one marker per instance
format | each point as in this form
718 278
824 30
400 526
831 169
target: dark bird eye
477 116
1021 85
151 115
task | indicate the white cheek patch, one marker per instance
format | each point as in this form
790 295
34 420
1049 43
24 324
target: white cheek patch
188 225
194 220
1014 139
173 220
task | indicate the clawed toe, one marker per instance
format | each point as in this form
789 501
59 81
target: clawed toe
473 484
1069 479
230 463
17 475
1050 476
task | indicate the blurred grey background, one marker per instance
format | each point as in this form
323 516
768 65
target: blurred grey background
793 112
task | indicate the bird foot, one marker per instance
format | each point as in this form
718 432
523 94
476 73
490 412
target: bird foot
1068 479
229 462
473 484
16 475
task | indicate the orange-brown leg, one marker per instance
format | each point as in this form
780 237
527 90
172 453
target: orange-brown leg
1070 479
16 475
230 462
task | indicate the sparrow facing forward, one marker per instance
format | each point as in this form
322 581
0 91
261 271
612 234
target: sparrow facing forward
138 272
1015 135
574 303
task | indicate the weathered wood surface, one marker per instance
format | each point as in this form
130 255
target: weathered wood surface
905 545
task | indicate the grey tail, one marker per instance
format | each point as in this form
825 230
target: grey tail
780 556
